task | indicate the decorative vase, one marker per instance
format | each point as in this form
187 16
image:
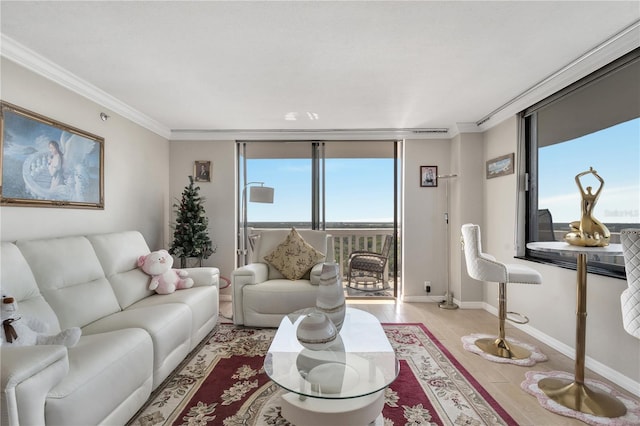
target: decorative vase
330 299
316 331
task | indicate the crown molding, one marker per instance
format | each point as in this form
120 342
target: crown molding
611 49
310 134
20 54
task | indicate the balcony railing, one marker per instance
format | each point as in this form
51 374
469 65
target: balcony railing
346 240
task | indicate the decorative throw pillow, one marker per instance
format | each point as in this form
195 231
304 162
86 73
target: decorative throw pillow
294 256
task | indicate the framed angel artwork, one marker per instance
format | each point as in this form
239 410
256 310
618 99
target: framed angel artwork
45 163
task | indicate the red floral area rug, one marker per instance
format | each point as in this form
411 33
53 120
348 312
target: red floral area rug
223 383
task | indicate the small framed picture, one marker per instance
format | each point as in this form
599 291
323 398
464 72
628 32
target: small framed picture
500 166
202 171
429 176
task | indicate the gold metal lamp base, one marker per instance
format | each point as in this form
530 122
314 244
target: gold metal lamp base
577 396
501 348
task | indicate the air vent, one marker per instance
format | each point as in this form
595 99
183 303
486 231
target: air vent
437 130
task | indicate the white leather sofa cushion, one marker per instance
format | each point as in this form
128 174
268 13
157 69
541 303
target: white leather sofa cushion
118 253
93 388
204 313
18 281
71 279
169 326
268 302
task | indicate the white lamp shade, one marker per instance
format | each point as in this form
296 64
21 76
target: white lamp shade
261 194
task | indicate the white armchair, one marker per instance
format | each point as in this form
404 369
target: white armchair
262 296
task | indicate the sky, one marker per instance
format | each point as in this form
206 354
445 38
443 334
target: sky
358 190
361 190
614 153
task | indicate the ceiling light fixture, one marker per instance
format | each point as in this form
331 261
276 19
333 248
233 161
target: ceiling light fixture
103 116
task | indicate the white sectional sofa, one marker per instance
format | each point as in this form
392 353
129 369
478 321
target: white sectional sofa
261 295
131 338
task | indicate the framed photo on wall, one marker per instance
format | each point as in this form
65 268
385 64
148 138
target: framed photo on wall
500 166
45 163
429 176
202 171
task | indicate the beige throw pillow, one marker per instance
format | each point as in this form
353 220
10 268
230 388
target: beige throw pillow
294 256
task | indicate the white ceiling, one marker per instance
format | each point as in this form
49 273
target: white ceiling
216 67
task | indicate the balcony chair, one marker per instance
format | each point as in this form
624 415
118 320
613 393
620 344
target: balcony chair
630 298
484 267
367 270
545 226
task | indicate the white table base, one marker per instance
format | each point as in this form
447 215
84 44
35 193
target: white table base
362 411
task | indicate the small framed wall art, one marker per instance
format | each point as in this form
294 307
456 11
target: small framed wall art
202 171
500 166
429 176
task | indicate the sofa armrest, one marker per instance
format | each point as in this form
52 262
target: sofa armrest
28 374
203 276
251 274
315 274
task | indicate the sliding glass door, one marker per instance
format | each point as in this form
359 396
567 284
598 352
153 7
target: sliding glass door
349 188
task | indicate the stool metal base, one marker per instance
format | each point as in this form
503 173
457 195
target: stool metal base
501 348
577 396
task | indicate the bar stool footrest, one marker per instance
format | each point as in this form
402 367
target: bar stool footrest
521 319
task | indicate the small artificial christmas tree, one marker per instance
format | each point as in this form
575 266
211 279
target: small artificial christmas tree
190 236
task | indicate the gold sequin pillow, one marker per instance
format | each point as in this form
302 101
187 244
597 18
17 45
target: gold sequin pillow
294 256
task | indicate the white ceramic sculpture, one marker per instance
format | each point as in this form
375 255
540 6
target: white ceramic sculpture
316 331
330 299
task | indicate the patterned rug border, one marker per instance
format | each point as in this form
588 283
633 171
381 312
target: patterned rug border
477 386
490 401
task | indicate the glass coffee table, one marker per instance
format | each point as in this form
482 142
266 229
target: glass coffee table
341 385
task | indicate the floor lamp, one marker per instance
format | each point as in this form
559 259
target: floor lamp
257 194
448 303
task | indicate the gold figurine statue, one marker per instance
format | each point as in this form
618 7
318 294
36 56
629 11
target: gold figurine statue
588 231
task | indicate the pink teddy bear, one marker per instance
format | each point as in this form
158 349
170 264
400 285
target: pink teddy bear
164 279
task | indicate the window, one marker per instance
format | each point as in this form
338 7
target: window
593 123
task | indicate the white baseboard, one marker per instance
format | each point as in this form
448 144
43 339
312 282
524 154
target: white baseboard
438 299
422 299
568 351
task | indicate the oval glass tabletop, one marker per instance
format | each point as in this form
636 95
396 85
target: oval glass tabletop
359 363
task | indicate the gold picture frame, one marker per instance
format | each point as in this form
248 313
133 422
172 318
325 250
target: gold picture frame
45 163
500 166
202 171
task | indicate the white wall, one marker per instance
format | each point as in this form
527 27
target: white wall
220 196
136 160
424 230
467 207
551 306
